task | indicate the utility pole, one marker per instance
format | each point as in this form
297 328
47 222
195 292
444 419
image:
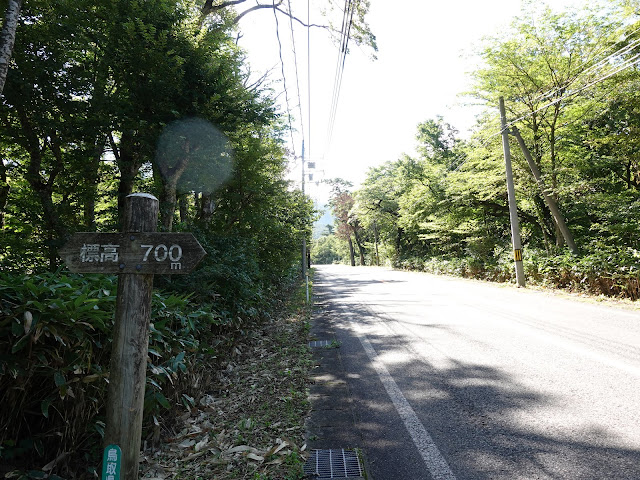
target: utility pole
513 209
305 273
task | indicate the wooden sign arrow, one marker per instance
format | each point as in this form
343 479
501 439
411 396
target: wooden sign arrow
141 253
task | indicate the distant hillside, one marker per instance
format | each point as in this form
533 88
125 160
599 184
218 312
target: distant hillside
320 226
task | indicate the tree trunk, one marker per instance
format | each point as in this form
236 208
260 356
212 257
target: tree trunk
91 188
8 38
399 233
128 173
542 213
351 252
89 212
168 200
183 207
207 207
560 238
43 188
169 195
56 232
375 239
4 192
98 138
129 163
360 247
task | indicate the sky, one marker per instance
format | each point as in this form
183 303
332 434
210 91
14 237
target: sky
424 57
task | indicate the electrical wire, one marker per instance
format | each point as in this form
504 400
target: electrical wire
295 61
337 74
596 66
284 79
341 56
309 76
635 60
347 21
626 64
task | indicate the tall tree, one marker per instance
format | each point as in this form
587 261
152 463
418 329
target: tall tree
8 38
348 225
541 66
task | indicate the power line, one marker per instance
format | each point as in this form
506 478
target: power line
295 61
596 66
617 53
626 64
337 75
347 20
309 75
284 79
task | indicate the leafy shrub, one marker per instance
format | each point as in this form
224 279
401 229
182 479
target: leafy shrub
328 249
55 343
605 270
54 350
234 279
228 276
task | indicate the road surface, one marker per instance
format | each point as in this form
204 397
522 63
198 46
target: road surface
462 380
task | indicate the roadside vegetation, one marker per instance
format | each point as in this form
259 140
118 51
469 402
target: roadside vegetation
233 393
103 99
248 419
570 83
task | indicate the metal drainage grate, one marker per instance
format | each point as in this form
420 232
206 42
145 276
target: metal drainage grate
338 463
320 343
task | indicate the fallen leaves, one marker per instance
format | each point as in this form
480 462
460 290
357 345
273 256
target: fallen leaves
251 420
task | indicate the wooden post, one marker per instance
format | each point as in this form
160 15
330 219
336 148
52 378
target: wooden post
130 343
136 255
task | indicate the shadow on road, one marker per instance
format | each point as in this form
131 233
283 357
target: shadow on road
473 413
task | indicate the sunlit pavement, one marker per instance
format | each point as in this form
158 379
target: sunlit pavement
455 379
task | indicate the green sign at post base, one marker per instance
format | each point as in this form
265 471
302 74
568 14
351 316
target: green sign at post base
111 463
145 253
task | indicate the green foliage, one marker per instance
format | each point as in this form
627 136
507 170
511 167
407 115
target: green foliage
229 277
446 211
328 249
91 89
55 341
54 332
609 270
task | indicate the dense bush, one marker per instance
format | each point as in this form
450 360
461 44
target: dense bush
608 270
328 249
55 341
81 119
54 353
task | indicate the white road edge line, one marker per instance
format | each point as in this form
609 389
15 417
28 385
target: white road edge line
435 462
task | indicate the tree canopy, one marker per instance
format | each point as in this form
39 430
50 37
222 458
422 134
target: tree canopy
569 81
103 99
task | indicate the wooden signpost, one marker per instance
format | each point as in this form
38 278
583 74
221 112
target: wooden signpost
137 254
133 252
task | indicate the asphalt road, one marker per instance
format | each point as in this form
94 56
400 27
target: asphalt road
456 379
